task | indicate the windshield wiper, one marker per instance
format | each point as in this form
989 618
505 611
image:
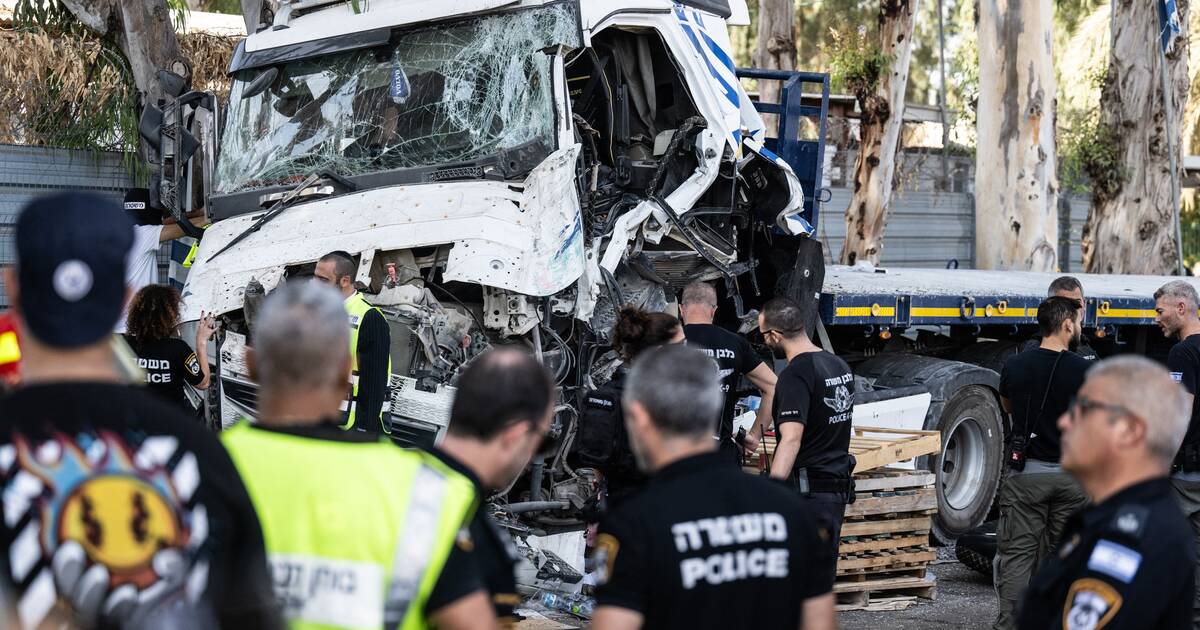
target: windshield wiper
271 213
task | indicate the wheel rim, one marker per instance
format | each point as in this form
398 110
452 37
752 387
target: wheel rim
963 463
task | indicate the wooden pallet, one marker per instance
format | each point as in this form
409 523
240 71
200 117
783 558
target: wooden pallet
886 593
885 560
886 531
873 448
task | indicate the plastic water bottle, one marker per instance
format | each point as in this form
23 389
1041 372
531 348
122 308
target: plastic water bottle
577 605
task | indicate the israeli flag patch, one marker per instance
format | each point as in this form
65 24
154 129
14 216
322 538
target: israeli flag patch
1115 560
1177 377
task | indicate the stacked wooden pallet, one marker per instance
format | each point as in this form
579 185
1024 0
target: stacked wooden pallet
885 548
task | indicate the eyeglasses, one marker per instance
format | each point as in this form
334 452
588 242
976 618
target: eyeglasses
1080 405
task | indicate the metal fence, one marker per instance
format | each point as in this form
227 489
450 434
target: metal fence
29 172
937 229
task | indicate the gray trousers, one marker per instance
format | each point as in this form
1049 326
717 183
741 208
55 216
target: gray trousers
1187 493
1034 507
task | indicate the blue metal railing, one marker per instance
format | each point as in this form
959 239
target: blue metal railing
806 157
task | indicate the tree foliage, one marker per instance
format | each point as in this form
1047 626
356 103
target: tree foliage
855 61
63 85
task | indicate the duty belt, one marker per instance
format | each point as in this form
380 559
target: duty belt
837 485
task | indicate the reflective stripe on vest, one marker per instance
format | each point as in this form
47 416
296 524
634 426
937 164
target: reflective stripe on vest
351 555
417 540
356 309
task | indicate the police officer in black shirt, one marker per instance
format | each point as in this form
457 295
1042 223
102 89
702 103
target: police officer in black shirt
703 545
499 398
814 403
735 358
1070 288
1036 387
1175 312
1128 560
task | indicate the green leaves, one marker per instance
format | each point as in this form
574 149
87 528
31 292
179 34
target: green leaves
855 61
1089 159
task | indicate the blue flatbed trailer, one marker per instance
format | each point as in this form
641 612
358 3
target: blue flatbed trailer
934 340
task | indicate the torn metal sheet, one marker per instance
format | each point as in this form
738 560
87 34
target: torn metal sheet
526 239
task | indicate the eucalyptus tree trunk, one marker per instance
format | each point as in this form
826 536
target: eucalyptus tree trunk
882 104
1130 228
144 31
1016 182
776 45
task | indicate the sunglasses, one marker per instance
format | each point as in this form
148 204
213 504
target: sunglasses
1081 405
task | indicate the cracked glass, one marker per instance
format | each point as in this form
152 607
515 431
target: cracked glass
456 91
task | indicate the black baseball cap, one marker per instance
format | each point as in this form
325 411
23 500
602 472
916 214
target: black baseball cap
71 251
140 208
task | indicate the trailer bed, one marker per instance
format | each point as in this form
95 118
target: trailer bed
902 297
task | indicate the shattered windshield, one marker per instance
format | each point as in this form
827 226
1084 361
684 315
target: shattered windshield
451 92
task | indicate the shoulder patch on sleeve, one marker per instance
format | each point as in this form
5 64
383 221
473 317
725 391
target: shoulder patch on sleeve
1090 605
607 547
1119 561
192 365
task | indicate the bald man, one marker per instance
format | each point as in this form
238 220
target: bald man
735 358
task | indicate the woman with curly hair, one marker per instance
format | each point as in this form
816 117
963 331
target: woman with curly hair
169 363
601 441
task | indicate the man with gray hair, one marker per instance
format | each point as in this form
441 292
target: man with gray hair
1175 306
1127 561
366 554
703 545
735 358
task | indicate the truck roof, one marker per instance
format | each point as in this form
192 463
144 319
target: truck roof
314 20
903 297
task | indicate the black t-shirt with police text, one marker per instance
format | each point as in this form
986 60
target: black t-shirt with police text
734 357
1184 363
119 512
816 389
170 366
1025 380
704 545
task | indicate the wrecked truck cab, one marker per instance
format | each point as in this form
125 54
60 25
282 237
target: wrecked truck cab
503 172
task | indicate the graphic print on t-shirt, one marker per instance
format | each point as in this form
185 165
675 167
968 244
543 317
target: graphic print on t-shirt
110 528
842 401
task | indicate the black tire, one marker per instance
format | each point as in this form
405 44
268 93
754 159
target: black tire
969 466
974 560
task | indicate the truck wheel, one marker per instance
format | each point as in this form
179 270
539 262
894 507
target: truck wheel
969 466
974 560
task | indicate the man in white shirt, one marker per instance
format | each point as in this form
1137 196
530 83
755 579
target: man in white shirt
149 232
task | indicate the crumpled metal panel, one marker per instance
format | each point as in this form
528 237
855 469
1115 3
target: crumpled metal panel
524 238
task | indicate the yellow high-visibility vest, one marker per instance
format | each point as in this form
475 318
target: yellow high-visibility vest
356 308
351 556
